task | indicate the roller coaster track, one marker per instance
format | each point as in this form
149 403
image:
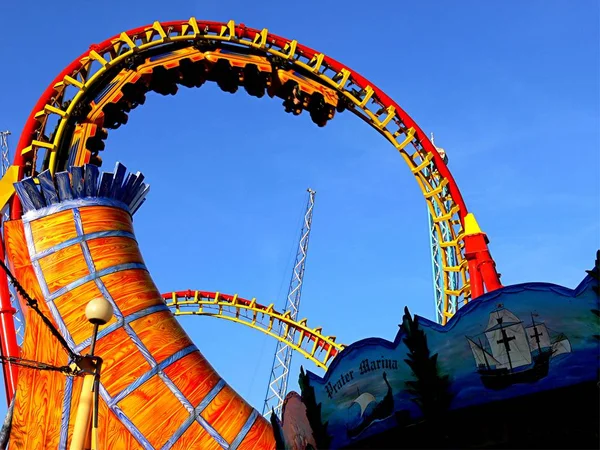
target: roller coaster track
310 342
68 101
92 94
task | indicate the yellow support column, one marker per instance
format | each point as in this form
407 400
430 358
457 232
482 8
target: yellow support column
81 429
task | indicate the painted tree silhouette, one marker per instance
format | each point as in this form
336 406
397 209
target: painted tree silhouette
595 274
277 432
430 389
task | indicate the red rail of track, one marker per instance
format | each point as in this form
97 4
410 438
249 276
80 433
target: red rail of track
241 31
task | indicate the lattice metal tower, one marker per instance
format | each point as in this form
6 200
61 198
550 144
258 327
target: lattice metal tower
280 370
4 146
4 165
437 255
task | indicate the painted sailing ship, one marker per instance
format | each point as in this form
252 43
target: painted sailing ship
382 409
515 353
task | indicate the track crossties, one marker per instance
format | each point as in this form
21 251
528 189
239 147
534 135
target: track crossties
98 91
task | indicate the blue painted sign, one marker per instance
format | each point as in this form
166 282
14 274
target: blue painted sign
516 341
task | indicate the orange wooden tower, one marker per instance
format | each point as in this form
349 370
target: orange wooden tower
75 242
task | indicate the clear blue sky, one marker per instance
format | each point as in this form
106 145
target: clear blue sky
511 90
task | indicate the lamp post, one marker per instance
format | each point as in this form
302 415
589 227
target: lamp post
98 312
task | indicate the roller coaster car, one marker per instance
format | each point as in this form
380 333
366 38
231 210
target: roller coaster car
299 92
191 67
231 69
166 70
88 139
110 105
239 60
170 59
108 109
160 73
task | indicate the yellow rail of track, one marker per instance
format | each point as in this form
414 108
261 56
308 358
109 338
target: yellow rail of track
309 342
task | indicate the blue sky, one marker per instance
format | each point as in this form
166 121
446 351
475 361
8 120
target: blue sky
511 90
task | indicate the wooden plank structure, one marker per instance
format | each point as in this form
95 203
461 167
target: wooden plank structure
75 242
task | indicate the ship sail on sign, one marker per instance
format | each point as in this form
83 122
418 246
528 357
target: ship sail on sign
542 336
382 409
505 328
482 357
363 401
514 353
561 345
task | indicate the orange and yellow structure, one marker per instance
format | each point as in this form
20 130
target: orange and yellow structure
76 243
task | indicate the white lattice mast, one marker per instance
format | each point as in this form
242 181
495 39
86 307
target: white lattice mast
280 370
4 146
